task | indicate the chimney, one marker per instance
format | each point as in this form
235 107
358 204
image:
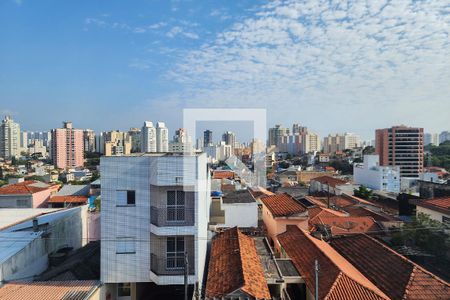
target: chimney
35 225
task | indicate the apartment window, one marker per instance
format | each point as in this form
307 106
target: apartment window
126 198
175 206
175 252
125 245
124 289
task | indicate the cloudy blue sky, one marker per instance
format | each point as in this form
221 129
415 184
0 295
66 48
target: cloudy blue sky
333 66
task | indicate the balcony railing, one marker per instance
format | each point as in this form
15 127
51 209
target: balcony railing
170 266
172 216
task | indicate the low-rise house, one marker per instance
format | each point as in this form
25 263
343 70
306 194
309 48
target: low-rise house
395 275
437 209
327 184
240 209
52 290
26 194
25 245
335 226
235 270
69 196
279 211
338 278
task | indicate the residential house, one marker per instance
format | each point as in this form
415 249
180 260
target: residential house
337 277
235 270
395 275
26 194
327 184
437 209
279 211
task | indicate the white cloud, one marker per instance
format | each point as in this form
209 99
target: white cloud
342 57
180 31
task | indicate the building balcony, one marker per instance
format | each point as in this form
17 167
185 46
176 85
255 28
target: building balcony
163 266
168 217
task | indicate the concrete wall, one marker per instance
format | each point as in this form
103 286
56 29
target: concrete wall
40 198
434 215
10 201
241 214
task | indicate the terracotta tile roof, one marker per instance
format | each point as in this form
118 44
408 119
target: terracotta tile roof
358 211
259 191
316 211
235 265
331 181
338 279
223 174
438 204
68 199
282 205
48 290
395 275
348 225
27 187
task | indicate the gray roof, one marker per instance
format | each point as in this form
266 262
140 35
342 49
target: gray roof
74 190
241 196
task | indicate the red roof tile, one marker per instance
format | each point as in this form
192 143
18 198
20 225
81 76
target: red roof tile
23 188
358 211
223 175
338 279
331 181
48 290
348 225
235 265
68 199
395 275
282 205
438 204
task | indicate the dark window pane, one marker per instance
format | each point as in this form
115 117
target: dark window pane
171 198
180 197
180 244
170 244
171 214
131 197
180 214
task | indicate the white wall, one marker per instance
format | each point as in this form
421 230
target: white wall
241 214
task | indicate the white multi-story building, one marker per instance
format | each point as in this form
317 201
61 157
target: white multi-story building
155 208
310 142
9 138
162 138
430 139
181 142
372 175
219 152
148 141
340 142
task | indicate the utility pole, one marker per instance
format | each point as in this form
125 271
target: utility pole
316 272
186 268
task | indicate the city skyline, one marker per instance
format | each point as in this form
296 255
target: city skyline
300 61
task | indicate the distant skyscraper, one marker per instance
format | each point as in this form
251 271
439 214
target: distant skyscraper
276 135
298 129
67 147
9 138
116 143
162 137
340 142
310 142
207 138
430 139
148 141
401 146
229 138
136 139
89 140
181 142
444 136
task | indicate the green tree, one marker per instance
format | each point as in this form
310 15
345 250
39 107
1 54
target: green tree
363 193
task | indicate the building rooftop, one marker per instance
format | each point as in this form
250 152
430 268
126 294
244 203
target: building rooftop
234 265
241 196
395 275
27 187
74 190
331 181
441 205
342 280
14 216
13 242
282 205
223 174
68 199
347 225
49 290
